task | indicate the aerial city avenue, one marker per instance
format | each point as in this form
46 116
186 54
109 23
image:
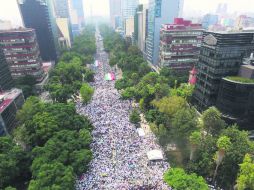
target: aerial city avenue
127 95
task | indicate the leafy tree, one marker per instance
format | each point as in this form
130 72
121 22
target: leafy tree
175 78
223 145
32 106
184 122
128 93
14 163
245 179
203 163
86 92
185 91
89 75
53 176
195 140
240 146
135 117
26 83
69 147
170 105
212 121
10 188
179 180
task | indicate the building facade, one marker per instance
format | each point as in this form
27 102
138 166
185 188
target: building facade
61 8
128 10
6 81
209 19
160 12
221 55
65 34
115 12
39 14
140 26
180 44
236 100
129 27
10 102
22 53
76 16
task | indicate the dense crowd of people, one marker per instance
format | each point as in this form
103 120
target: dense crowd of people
120 155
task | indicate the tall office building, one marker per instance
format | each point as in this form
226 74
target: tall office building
22 53
221 55
61 8
128 10
63 22
76 15
115 12
6 81
160 12
140 28
180 44
39 14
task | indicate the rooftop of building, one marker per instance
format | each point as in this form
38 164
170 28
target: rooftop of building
232 32
181 24
240 79
17 30
7 97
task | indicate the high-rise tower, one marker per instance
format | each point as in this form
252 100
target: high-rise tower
39 14
160 12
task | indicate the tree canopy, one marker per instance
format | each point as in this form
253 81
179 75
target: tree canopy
86 92
179 180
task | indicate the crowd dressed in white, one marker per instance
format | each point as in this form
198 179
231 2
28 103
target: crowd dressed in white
120 154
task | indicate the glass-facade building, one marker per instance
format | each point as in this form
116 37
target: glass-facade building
221 55
128 10
159 12
39 14
6 81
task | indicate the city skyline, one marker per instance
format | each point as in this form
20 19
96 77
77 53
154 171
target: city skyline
101 8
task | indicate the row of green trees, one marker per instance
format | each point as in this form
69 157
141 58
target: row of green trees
50 147
70 72
207 145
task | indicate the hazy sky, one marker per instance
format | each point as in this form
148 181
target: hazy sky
9 10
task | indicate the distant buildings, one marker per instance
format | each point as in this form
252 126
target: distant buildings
140 26
22 53
77 16
129 27
243 22
61 8
180 44
115 13
160 12
128 10
6 81
209 19
39 14
221 55
10 102
63 22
